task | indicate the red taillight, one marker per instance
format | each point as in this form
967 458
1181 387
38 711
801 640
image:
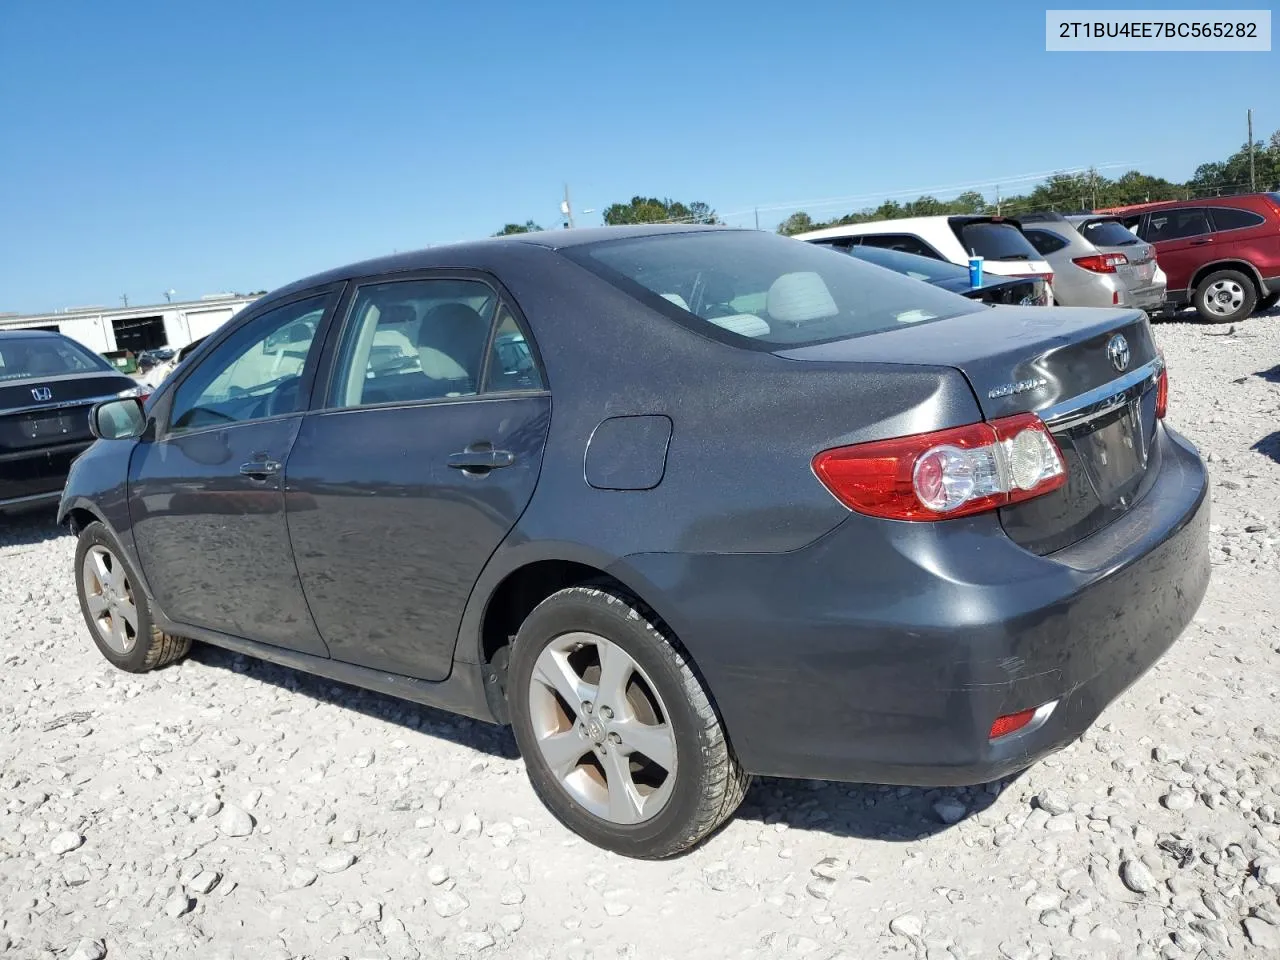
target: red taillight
1010 723
947 473
1162 392
1102 262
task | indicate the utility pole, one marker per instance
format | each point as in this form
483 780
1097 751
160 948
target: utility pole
566 208
124 298
1253 188
757 218
997 199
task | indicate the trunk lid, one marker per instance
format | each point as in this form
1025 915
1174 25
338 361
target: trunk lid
1110 235
1089 373
47 412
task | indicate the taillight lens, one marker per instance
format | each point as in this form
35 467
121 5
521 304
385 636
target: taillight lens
1101 263
1162 391
947 473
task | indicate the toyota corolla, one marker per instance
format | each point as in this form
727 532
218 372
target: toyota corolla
735 506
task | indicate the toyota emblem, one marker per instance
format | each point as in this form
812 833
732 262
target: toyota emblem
1118 352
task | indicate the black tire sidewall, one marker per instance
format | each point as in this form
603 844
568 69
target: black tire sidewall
135 661
577 611
1246 309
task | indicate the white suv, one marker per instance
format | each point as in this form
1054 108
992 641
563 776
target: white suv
998 240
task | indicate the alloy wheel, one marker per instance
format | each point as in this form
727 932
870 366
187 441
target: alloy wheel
109 598
602 728
1224 297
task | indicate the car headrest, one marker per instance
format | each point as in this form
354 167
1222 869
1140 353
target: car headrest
800 297
393 314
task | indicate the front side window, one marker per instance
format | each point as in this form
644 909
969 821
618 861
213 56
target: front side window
762 291
256 372
1176 225
415 340
25 358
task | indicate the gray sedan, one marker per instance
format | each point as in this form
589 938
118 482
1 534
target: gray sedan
1097 261
679 505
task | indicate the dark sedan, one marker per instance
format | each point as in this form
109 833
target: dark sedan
788 514
48 385
995 289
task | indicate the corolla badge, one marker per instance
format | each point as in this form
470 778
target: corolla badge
42 393
1118 352
1018 386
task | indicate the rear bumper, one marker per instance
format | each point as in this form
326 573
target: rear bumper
33 477
883 652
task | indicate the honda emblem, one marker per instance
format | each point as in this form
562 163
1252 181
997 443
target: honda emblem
42 393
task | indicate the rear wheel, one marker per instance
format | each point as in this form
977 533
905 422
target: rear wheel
116 609
619 735
1224 296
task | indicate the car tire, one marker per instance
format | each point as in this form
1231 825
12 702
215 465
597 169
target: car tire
580 738
115 607
1267 302
1225 296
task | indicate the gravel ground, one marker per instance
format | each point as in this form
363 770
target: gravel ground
229 808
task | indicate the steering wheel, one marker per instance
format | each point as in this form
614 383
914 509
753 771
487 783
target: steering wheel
284 398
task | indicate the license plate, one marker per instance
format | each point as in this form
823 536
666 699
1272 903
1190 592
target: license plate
38 428
1115 452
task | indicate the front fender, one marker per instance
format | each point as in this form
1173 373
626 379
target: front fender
98 484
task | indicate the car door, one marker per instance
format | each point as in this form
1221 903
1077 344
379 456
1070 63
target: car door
205 496
1179 236
423 455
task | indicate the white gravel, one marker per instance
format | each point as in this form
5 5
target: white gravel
227 808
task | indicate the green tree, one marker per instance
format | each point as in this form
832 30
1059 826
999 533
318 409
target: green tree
527 227
653 210
798 222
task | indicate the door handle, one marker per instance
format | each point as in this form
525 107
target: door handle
260 468
480 459
1201 243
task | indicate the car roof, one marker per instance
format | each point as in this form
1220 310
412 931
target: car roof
24 333
902 225
1239 199
481 253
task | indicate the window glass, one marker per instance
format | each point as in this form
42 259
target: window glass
411 340
256 372
920 268
26 357
904 242
1231 218
511 363
1175 225
993 241
762 291
1107 233
1045 241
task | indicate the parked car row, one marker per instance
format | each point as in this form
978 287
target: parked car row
790 513
1220 255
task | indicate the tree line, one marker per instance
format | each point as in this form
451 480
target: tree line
1062 192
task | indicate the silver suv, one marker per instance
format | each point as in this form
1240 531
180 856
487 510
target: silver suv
1096 261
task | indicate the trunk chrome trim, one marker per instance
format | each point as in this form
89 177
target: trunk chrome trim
63 405
1104 399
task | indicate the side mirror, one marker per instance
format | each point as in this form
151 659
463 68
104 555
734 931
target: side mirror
118 419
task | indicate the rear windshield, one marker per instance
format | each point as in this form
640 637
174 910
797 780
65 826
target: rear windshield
41 357
994 241
763 291
1107 233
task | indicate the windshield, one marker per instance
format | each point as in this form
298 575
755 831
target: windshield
763 291
1107 233
994 241
25 358
912 265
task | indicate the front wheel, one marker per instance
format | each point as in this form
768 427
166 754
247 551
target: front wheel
619 735
1225 296
115 607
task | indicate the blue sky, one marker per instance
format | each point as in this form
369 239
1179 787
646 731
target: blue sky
238 146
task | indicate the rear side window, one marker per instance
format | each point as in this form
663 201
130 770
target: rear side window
994 241
1107 233
1046 241
1233 218
902 242
762 291
1176 225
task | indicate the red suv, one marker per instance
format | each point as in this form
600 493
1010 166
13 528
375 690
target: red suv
1221 254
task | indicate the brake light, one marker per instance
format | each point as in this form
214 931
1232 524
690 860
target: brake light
1162 390
1102 262
946 473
